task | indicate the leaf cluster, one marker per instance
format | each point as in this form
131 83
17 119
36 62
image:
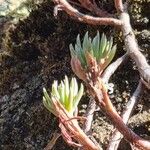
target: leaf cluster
101 49
67 93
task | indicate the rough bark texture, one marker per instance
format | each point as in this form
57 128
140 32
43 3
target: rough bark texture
133 48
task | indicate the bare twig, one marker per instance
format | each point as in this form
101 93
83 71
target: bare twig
107 106
119 5
87 4
52 142
133 49
89 115
87 18
124 22
117 136
89 118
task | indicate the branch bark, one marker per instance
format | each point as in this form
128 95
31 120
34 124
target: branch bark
119 5
107 106
89 115
87 4
86 18
117 136
133 49
124 22
71 129
112 68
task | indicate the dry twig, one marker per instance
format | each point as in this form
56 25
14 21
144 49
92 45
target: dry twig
117 136
112 68
86 18
107 106
119 5
52 142
71 130
89 115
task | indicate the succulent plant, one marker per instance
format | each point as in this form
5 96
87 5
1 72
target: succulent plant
101 51
68 94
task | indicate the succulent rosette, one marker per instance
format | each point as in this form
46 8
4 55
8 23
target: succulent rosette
67 93
97 52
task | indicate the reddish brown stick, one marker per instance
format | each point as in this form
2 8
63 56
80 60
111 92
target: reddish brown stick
74 130
124 22
87 18
119 5
117 136
118 122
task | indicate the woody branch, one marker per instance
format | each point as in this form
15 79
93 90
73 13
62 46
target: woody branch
86 18
105 77
107 106
119 5
116 135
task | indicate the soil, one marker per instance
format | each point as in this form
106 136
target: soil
35 52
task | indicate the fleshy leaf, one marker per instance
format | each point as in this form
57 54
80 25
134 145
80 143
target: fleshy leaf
48 106
68 94
101 50
71 95
85 42
72 51
111 56
55 90
78 96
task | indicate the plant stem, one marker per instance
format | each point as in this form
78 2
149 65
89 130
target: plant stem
87 18
133 49
71 130
105 77
52 142
118 122
89 115
119 5
83 138
116 136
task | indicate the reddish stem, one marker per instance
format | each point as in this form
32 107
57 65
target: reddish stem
74 130
87 4
116 136
87 18
120 125
119 5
